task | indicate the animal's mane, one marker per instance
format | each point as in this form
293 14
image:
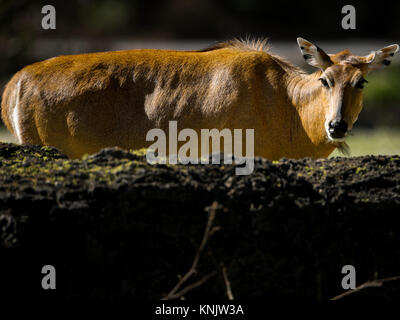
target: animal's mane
248 44
253 44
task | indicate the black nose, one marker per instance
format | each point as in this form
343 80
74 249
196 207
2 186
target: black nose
337 129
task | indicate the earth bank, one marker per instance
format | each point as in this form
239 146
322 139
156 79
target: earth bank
116 227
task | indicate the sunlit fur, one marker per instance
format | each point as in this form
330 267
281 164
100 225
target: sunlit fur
82 103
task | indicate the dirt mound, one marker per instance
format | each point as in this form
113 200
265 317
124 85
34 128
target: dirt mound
116 227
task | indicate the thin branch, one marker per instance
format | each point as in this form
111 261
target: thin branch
368 284
227 283
193 269
190 287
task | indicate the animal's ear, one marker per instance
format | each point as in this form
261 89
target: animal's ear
313 55
381 58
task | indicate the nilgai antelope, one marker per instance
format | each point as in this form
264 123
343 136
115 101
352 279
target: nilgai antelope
82 103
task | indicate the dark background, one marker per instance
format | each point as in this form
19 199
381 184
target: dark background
106 20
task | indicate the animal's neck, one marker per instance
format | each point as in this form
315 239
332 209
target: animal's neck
307 96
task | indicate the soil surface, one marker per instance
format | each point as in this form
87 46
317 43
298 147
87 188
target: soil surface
116 227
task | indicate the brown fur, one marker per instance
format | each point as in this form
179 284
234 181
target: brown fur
82 103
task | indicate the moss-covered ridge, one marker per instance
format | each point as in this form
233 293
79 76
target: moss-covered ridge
117 227
48 164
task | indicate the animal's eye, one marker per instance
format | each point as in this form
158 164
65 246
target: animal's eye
360 83
324 82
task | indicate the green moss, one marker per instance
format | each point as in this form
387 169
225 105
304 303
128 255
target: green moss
41 165
140 152
119 168
309 170
360 169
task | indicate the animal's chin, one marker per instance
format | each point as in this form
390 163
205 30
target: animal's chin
332 139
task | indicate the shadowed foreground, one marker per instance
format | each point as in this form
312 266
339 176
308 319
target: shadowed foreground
115 227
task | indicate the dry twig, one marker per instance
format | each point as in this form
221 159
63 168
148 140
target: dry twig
209 230
368 284
190 287
227 283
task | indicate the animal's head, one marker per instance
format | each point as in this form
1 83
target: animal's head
343 76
